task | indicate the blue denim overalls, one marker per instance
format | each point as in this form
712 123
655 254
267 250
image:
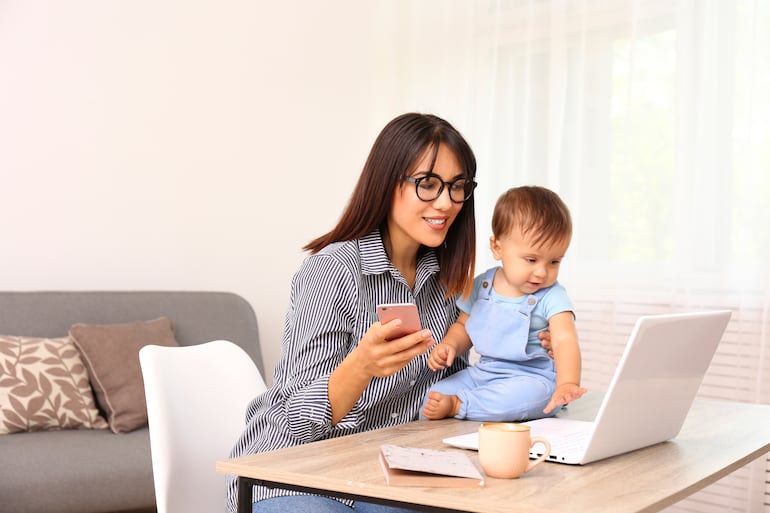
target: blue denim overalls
508 383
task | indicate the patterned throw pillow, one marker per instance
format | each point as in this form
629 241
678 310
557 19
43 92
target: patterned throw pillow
44 385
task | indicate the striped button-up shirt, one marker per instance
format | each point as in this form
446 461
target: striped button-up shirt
332 304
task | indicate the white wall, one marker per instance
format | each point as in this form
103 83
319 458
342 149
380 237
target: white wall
182 145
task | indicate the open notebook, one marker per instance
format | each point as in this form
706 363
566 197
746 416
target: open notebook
649 396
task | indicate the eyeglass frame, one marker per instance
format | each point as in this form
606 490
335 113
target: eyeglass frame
416 182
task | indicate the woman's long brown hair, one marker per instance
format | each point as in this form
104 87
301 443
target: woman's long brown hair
394 154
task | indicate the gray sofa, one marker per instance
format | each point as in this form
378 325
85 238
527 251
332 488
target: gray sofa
97 471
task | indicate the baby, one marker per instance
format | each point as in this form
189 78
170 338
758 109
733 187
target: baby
515 378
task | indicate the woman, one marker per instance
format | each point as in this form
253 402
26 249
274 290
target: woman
407 235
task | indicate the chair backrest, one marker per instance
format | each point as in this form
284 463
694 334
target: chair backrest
196 403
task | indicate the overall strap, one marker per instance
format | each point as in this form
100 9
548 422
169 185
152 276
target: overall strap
486 283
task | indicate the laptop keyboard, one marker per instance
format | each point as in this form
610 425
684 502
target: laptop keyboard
566 437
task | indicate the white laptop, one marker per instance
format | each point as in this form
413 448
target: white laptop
648 398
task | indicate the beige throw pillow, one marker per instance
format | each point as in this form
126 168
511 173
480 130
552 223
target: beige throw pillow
111 353
44 385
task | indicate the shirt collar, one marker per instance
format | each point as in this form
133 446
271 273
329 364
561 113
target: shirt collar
374 259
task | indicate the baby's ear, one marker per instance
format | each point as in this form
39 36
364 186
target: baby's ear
494 245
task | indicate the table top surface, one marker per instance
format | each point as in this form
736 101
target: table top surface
717 438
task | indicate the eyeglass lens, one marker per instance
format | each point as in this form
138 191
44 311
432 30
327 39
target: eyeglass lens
430 187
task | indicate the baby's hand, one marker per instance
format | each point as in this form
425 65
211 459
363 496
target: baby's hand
441 357
545 341
564 394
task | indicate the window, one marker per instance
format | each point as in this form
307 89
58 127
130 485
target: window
649 117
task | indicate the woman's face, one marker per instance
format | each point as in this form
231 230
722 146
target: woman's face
413 222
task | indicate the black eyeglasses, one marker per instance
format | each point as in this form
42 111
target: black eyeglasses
430 187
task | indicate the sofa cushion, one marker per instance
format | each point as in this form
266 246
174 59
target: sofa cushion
44 385
111 353
76 470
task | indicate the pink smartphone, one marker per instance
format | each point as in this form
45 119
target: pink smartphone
407 312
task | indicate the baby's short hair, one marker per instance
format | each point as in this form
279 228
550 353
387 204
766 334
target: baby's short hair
538 212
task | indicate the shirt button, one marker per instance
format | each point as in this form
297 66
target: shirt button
411 383
532 301
395 415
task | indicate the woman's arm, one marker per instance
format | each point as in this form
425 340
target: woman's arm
324 368
373 357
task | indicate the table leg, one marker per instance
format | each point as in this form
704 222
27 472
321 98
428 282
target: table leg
245 494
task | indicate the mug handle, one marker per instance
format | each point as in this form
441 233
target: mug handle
546 453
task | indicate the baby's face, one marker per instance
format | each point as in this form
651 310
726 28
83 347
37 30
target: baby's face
527 267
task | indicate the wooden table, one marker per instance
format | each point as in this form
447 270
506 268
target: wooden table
717 438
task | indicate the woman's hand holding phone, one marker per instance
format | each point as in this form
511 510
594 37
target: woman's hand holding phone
406 312
388 346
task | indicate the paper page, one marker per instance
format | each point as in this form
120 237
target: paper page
448 463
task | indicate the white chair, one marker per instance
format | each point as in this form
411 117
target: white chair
196 402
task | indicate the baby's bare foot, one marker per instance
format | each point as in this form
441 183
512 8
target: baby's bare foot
441 406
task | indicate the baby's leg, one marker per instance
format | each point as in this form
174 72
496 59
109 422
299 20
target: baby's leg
514 398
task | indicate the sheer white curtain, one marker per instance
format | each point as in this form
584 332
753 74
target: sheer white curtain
652 119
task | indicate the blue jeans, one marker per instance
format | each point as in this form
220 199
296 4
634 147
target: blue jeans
318 504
